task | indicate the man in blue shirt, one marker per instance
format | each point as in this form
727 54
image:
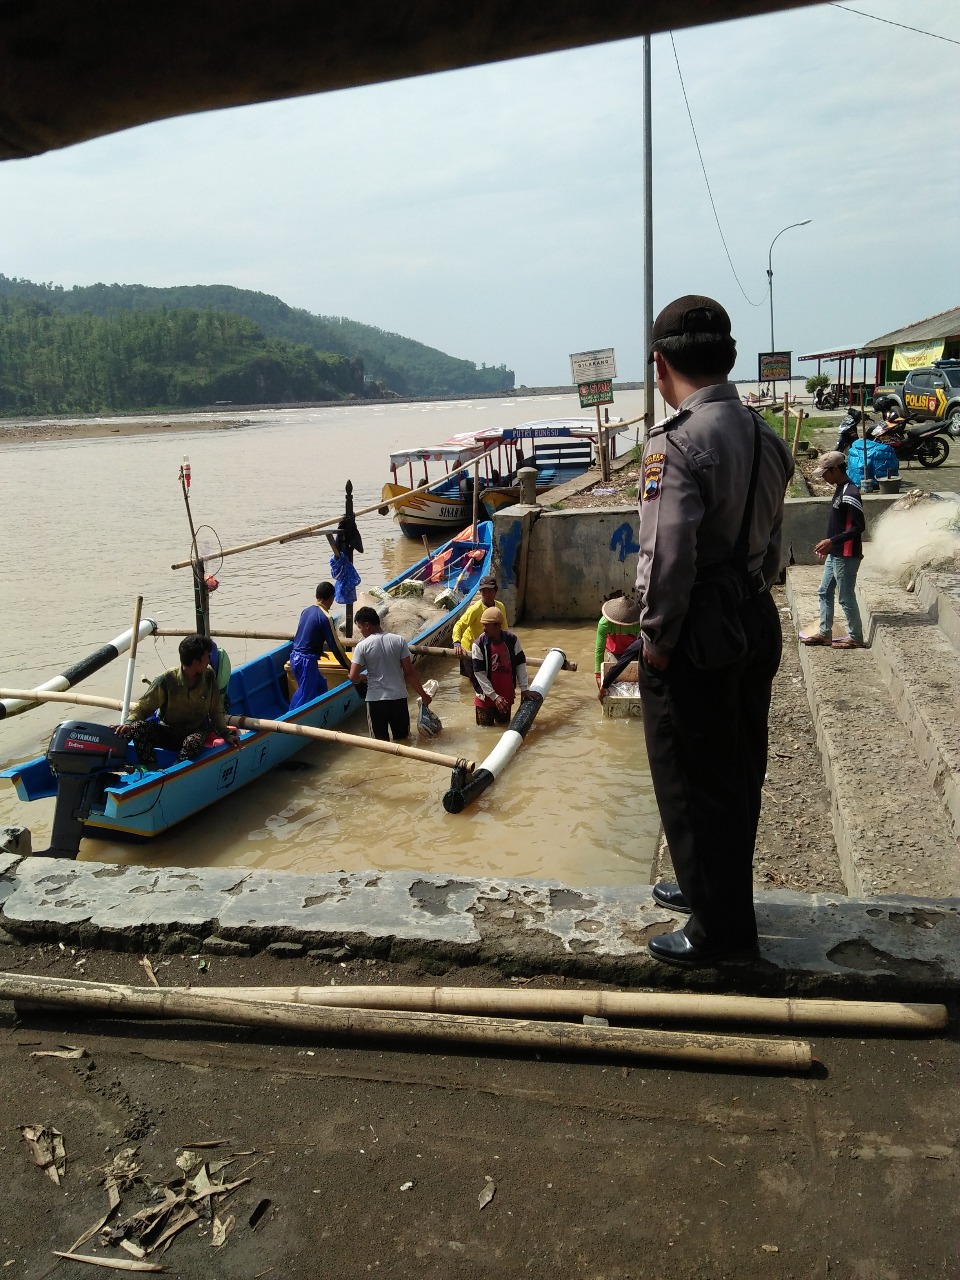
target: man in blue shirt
316 634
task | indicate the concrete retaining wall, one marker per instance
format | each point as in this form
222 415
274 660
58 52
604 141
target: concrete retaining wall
564 564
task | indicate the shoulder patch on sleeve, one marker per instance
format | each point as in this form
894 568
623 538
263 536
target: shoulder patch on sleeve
653 465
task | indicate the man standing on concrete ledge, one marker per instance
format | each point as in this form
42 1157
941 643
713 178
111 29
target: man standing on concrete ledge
711 510
842 552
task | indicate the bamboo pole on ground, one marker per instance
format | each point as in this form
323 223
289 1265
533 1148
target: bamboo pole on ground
667 1005
352 740
115 1000
435 651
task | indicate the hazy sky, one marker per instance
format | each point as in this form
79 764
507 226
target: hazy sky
496 213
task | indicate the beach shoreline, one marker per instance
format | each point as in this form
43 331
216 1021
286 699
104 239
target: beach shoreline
32 430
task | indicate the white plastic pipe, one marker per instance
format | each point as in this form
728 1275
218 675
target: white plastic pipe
462 793
80 670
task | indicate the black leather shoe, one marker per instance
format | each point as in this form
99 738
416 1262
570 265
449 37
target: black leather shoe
669 896
676 948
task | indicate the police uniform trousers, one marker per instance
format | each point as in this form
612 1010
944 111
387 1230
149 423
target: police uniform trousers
706 737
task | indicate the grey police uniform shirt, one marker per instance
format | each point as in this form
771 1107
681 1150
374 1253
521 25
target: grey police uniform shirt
693 490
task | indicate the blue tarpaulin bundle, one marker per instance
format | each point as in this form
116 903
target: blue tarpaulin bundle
882 461
345 579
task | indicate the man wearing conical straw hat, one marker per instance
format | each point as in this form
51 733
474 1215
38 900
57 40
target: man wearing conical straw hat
618 627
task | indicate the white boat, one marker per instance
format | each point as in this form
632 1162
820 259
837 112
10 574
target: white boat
440 477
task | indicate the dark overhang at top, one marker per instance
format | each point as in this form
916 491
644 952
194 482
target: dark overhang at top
71 70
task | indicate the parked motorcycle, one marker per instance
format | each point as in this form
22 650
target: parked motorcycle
849 429
824 398
923 443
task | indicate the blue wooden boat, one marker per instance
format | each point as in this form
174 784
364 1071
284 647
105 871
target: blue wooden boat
143 803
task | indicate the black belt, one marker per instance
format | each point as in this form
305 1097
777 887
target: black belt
755 581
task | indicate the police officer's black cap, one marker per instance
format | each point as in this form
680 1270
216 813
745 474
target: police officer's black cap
693 313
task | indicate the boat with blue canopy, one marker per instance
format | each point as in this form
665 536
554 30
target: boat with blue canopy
439 493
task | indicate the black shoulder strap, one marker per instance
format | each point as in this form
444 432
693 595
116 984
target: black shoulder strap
741 549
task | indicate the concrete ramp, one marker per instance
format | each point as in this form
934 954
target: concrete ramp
887 724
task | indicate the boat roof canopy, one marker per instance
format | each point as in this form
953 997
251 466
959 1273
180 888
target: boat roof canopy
450 451
470 444
548 428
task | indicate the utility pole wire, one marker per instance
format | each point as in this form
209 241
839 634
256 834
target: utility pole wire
890 23
707 181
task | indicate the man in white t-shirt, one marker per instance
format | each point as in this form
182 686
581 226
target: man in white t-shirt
382 660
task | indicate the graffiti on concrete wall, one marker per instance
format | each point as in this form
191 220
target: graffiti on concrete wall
622 541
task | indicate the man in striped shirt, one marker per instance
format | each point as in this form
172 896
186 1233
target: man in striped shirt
842 551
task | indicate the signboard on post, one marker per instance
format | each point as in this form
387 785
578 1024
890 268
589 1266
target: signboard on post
594 372
593 366
774 366
595 393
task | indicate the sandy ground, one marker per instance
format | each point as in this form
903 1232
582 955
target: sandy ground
372 1160
28 431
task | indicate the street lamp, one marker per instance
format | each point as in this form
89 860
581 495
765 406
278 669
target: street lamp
804 223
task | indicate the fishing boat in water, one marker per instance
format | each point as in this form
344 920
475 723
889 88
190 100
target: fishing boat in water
120 798
487 461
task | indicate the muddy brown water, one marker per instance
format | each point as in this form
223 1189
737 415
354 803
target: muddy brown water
88 524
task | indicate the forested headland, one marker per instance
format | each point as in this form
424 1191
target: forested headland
125 348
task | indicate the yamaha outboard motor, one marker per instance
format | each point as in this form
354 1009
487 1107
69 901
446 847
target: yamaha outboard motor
83 758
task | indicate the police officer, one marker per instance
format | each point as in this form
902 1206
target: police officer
711 507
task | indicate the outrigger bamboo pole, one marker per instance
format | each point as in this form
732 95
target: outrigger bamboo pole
352 740
77 672
132 659
310 529
661 1005
269 726
228 635
557 1037
65 695
435 651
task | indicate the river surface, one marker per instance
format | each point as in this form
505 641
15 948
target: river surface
89 524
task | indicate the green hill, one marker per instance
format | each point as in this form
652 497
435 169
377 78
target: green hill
396 363
52 362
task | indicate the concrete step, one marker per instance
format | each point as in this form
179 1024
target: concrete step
939 594
893 831
920 665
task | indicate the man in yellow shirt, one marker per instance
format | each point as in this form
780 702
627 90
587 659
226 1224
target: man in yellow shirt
469 628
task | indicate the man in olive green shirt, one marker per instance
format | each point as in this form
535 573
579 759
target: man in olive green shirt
189 705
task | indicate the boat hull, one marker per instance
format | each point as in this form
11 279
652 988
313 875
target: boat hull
144 804
428 514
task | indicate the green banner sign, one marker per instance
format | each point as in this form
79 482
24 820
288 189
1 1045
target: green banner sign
592 393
